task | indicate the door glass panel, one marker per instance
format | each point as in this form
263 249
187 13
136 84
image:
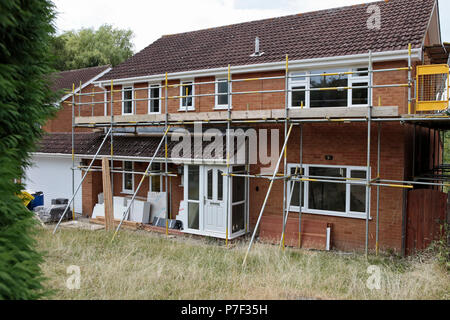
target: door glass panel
358 193
210 184
324 195
238 217
219 185
193 215
238 189
194 183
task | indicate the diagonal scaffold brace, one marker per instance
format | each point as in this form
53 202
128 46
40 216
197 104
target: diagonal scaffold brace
81 182
146 174
268 194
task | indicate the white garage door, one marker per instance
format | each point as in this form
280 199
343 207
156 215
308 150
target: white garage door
53 176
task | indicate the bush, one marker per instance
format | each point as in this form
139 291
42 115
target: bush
25 96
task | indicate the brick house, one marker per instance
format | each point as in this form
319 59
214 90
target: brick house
51 173
326 49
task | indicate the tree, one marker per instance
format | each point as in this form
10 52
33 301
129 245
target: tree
25 64
90 48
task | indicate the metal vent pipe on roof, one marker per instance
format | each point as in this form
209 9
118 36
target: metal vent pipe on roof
257 52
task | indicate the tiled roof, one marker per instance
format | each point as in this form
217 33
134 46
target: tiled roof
126 146
333 32
65 79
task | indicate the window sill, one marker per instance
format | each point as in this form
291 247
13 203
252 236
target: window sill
332 214
127 192
184 109
222 107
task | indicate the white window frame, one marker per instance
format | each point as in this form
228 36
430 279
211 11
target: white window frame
151 180
299 83
352 78
305 190
124 88
222 106
127 191
150 87
182 94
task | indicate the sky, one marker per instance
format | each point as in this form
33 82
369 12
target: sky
149 20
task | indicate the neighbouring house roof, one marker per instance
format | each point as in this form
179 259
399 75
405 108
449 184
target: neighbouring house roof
327 33
66 79
87 144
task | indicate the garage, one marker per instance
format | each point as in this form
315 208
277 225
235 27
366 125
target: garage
51 174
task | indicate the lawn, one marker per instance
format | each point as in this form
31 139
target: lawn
140 265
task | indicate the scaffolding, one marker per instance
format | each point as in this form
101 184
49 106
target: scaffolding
431 83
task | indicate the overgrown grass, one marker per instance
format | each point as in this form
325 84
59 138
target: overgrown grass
141 265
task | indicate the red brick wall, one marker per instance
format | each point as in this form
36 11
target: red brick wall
62 122
348 145
258 101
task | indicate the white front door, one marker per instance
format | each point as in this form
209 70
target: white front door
215 195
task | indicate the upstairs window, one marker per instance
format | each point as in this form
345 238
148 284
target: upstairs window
187 92
328 98
222 93
326 88
359 96
127 100
154 104
298 85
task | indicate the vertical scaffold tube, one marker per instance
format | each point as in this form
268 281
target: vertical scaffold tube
166 155
229 205
286 112
369 132
300 192
73 149
377 246
112 137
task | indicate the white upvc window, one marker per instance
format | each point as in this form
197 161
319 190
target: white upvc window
359 97
155 181
127 100
328 198
222 93
128 177
298 97
154 102
187 92
315 80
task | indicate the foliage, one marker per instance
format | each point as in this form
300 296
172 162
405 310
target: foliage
440 248
25 31
90 48
140 265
